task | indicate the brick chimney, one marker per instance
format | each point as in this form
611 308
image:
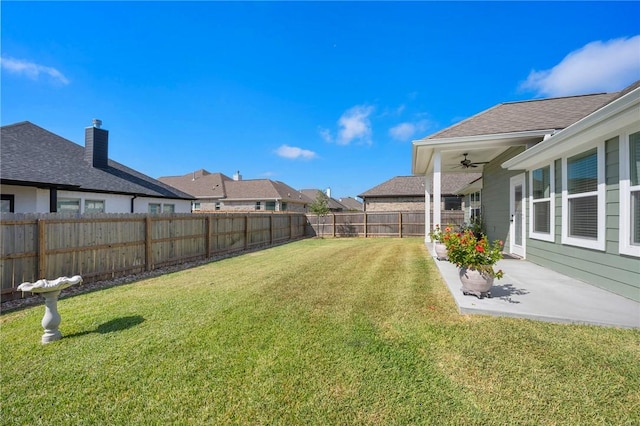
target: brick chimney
96 145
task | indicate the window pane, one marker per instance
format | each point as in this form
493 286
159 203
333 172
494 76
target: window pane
634 158
154 208
168 208
542 217
541 183
635 218
94 206
583 217
582 172
271 205
68 205
452 203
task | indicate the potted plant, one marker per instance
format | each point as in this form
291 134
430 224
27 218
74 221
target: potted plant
439 237
476 257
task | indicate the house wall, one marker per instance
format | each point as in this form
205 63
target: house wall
399 204
35 200
394 204
607 269
495 197
250 206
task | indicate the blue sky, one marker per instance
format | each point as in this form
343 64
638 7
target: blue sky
314 94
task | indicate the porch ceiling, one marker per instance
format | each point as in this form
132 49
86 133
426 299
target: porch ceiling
483 148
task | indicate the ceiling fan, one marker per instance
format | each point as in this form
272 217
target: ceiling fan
466 163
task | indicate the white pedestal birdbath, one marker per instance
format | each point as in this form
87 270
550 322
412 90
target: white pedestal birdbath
50 290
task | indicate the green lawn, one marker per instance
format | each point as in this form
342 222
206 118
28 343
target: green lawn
320 331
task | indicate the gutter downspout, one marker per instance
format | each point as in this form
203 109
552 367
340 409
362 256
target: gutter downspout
132 203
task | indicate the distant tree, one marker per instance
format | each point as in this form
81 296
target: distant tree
320 207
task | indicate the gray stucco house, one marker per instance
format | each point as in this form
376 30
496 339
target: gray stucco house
42 172
560 181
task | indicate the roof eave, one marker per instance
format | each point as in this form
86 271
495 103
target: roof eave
423 149
623 110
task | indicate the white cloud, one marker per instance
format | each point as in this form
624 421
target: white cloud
598 66
293 153
325 134
354 124
32 70
405 131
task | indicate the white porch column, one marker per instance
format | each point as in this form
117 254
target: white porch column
437 187
427 208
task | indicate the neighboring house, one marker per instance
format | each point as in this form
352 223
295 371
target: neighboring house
560 184
407 193
218 192
41 172
333 204
351 204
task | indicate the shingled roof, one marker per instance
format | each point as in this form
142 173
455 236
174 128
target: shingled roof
33 156
413 186
540 114
203 184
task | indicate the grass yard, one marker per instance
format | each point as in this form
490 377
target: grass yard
320 331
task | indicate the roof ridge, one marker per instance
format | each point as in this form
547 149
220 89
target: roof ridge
557 98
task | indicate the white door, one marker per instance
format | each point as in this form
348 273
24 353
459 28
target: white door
518 217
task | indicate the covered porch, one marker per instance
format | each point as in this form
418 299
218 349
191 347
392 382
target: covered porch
533 292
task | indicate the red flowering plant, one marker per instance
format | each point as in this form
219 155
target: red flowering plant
439 235
466 250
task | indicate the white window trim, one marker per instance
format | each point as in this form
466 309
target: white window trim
551 236
600 242
625 246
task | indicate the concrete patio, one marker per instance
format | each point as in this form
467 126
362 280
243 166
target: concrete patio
534 292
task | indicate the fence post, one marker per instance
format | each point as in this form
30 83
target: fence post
334 224
400 223
42 248
365 225
207 238
148 255
270 229
246 231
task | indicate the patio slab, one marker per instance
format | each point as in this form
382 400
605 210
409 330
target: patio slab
531 291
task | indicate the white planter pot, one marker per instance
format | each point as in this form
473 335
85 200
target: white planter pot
441 251
476 282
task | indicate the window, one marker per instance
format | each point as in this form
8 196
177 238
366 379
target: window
7 204
541 209
270 205
257 205
474 207
195 206
68 205
452 203
94 206
583 199
283 206
168 208
154 208
630 194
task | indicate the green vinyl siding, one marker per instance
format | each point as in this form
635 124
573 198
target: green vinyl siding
608 270
495 197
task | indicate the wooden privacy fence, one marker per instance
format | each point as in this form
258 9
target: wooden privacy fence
112 245
376 224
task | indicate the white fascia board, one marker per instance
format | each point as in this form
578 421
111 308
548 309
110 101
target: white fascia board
423 148
621 112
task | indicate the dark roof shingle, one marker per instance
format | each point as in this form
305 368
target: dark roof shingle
31 155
